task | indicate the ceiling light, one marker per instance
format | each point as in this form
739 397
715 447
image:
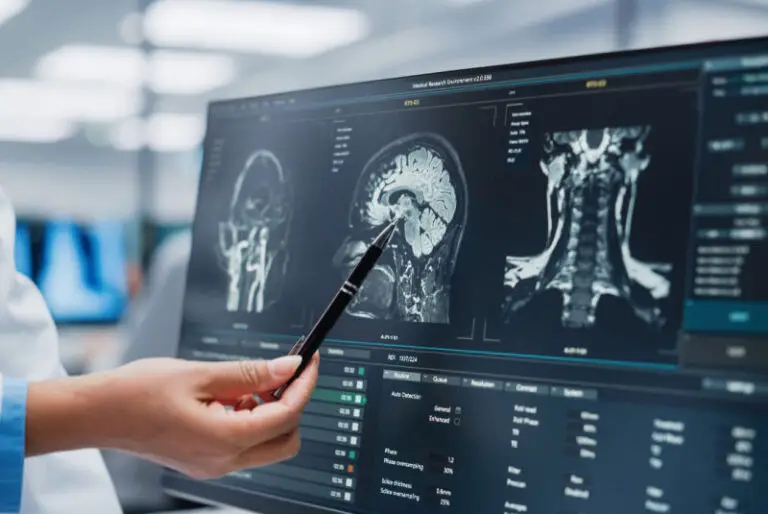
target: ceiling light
10 8
128 134
189 73
130 28
35 130
294 30
65 101
174 132
165 71
108 64
162 132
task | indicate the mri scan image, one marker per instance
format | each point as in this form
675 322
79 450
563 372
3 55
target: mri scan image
419 179
253 240
592 178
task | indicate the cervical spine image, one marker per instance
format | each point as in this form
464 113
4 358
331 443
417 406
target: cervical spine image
591 194
253 241
418 179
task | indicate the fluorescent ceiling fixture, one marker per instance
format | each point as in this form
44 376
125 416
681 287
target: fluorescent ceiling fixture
10 8
67 101
130 28
189 73
165 71
107 64
35 130
162 132
128 134
174 132
276 28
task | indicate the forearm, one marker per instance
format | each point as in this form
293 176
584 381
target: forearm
66 414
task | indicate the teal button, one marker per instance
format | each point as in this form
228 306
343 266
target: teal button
724 315
739 317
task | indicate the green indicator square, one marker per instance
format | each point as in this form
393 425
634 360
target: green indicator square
352 454
361 371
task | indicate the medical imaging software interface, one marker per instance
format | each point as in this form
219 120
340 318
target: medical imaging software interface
572 315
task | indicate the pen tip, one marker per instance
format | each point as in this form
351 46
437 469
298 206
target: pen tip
383 239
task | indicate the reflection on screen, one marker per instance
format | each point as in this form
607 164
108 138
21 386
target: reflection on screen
80 269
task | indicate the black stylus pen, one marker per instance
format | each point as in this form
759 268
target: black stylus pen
308 345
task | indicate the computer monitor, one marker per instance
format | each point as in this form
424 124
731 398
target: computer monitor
572 316
80 268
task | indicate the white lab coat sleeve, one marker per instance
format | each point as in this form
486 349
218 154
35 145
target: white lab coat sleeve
66 482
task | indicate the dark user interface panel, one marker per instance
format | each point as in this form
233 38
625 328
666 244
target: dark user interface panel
572 317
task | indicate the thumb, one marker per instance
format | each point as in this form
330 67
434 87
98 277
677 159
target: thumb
236 378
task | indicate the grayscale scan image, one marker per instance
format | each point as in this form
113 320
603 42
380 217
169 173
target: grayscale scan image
418 178
253 240
592 178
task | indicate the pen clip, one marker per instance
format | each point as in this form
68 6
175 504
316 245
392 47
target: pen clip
297 347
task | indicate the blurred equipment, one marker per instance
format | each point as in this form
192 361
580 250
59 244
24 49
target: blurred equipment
80 268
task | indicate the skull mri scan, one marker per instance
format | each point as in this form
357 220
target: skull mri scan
592 180
253 241
419 179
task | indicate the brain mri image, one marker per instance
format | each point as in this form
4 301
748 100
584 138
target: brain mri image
419 179
592 178
253 240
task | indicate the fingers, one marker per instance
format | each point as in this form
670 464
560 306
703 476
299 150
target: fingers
298 393
239 437
247 402
231 380
271 420
281 448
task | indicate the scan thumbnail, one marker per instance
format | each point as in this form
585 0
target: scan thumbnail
253 240
418 178
592 178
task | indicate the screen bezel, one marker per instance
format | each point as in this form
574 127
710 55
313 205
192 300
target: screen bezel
232 496
723 47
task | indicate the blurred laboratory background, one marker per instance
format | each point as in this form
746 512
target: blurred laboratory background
102 109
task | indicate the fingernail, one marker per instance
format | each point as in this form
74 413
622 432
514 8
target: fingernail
284 365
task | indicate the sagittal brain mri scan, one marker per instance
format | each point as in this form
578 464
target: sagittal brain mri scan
419 179
253 240
592 178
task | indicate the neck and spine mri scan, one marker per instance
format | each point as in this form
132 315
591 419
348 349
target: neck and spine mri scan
418 178
253 241
592 178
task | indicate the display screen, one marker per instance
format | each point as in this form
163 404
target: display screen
80 268
572 316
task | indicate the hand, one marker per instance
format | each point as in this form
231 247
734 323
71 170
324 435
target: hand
198 418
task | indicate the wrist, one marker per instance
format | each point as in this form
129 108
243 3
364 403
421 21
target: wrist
67 414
